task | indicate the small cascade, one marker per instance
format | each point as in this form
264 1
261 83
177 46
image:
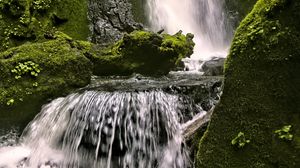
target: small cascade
94 129
206 19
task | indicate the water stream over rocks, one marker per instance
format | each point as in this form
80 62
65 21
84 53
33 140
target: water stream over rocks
114 122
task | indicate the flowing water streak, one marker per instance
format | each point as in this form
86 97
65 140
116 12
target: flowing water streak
206 19
107 130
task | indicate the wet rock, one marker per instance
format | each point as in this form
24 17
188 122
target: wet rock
110 19
213 67
196 93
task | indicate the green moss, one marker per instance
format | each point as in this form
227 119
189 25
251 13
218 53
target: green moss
42 70
31 20
143 52
71 18
261 92
177 43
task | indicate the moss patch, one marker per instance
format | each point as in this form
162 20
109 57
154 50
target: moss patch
42 70
30 20
143 52
261 92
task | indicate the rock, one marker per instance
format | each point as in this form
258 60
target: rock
213 67
23 20
142 52
110 19
32 73
261 93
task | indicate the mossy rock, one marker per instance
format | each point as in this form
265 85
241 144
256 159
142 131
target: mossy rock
30 74
143 52
261 93
30 20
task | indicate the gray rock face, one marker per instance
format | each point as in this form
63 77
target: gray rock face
110 19
213 67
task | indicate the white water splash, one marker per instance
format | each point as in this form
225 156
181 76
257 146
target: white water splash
103 129
206 19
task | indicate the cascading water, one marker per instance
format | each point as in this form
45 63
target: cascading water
103 129
206 19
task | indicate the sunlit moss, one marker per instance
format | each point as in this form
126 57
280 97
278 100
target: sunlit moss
30 20
143 52
48 69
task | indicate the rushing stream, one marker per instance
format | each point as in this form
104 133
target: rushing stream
107 130
112 123
206 19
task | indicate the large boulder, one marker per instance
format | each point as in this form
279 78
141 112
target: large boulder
257 122
142 52
30 20
213 67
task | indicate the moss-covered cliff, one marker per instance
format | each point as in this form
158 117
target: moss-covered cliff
31 20
261 94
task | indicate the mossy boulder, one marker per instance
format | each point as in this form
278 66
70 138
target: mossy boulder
261 94
31 20
143 52
32 73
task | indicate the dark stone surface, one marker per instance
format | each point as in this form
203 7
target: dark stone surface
213 67
197 93
110 19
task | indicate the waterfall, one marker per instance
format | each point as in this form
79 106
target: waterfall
206 19
103 129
